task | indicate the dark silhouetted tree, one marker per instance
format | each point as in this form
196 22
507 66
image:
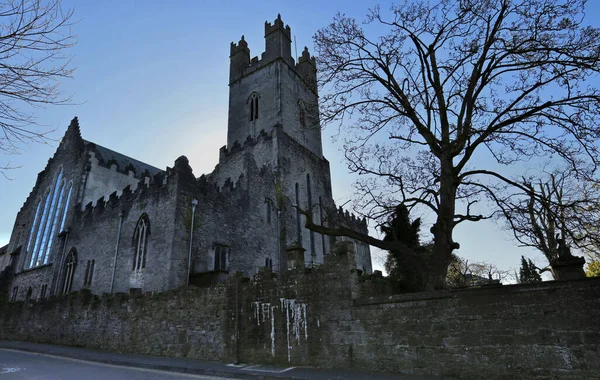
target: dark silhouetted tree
441 99
528 274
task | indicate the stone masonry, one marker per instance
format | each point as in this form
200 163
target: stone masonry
535 331
99 220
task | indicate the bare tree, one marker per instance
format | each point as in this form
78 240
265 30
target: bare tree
34 37
565 211
431 92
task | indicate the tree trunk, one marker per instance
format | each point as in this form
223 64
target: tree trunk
443 228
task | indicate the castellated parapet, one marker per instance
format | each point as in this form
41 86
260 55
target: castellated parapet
277 46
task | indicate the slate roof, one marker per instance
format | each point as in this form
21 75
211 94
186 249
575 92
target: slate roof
106 155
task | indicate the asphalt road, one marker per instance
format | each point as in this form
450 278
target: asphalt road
15 365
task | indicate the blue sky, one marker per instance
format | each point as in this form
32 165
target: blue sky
151 82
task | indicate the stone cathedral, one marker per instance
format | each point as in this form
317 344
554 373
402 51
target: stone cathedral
100 220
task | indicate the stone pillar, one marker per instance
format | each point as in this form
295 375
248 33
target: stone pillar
568 268
295 256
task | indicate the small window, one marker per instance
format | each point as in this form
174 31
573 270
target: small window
253 104
15 292
221 257
269 263
29 293
302 112
43 291
89 272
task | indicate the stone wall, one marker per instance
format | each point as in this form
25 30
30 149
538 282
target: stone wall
186 323
332 316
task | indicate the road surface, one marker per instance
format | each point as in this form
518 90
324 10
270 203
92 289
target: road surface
17 365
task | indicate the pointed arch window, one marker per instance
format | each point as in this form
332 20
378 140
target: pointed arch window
34 225
69 271
40 229
66 207
253 104
50 216
140 242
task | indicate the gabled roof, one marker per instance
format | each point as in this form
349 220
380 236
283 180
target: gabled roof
106 156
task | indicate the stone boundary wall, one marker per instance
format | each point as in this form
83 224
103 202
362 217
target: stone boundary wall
330 317
180 323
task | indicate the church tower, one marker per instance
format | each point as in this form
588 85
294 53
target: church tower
274 150
273 91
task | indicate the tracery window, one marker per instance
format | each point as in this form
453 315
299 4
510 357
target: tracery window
253 103
69 271
44 226
140 241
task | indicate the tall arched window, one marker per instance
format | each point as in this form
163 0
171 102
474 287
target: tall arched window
253 103
41 227
309 208
69 271
47 236
66 207
53 231
140 242
34 225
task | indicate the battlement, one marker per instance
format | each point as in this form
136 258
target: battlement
347 219
278 40
225 151
148 187
278 26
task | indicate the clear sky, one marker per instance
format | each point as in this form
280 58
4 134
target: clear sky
151 82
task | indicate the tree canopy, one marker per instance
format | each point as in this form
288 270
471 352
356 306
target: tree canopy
443 101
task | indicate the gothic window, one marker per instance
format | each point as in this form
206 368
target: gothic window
65 208
53 231
298 219
309 208
221 257
89 272
269 263
69 271
253 104
50 218
40 229
34 224
140 242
